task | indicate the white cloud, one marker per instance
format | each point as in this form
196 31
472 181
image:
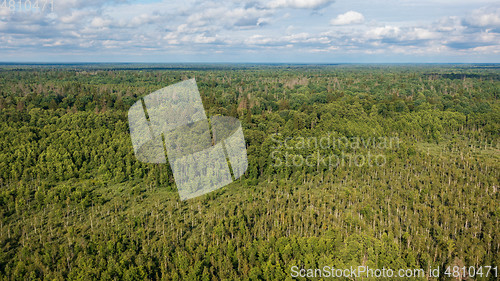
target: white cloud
100 22
240 27
451 24
300 4
382 32
258 39
487 49
484 18
228 18
350 17
201 39
76 16
171 38
4 12
419 33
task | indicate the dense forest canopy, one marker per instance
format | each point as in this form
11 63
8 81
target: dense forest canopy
76 204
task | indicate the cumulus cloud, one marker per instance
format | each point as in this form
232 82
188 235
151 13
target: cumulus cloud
77 16
229 18
401 35
383 32
350 17
300 4
484 18
419 33
239 27
100 22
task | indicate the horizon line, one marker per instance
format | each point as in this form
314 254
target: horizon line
221 62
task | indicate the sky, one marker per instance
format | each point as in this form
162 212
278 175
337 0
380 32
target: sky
275 31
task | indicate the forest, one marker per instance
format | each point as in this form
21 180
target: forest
413 182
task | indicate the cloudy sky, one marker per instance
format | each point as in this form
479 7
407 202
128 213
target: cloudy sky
316 31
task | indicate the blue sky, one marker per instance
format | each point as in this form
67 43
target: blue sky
301 31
